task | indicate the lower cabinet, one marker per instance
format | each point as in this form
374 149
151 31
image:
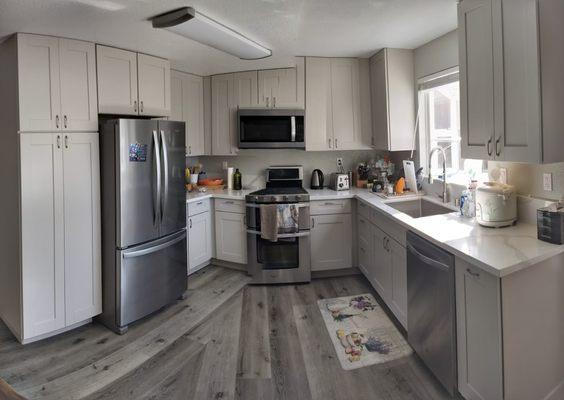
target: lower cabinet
230 237
331 240
200 237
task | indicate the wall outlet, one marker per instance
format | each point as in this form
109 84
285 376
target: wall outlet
224 165
503 175
547 182
339 163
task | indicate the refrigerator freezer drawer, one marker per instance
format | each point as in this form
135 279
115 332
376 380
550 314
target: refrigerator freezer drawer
152 276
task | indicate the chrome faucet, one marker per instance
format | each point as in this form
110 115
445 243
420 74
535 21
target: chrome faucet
444 197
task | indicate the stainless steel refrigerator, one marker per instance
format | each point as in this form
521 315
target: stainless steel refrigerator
143 218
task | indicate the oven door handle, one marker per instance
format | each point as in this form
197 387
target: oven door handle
299 205
282 235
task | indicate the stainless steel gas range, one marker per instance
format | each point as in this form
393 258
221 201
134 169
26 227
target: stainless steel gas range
287 258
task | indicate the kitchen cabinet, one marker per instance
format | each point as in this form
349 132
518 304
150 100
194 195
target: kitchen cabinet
187 104
230 91
381 269
508 57
282 88
60 271
398 267
131 83
200 236
56 84
392 85
230 231
331 237
333 102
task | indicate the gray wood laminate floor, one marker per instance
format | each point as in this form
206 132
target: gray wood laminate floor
226 340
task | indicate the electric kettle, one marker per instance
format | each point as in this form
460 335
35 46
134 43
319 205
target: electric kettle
317 179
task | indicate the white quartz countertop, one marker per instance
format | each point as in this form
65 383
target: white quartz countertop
500 251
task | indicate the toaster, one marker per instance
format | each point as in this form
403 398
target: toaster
339 181
550 224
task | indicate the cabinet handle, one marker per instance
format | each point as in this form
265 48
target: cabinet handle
362 249
384 243
336 144
497 152
274 102
329 143
65 121
267 102
189 149
488 146
57 121
141 106
312 223
134 105
472 273
190 220
66 142
58 142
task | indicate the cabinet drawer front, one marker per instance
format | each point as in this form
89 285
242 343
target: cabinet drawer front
198 207
234 206
389 226
322 207
363 209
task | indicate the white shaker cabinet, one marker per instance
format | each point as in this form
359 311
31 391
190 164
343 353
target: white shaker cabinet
230 237
283 87
153 75
392 85
187 104
56 84
318 118
199 241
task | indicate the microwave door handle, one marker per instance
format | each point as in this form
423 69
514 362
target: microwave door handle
293 131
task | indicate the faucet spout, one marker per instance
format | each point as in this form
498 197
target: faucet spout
444 196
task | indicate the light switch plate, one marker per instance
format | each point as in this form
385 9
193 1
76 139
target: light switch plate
503 175
224 165
547 182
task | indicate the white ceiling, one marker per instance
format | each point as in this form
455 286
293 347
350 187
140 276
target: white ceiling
345 28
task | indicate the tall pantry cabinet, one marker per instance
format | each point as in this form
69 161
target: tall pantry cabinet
50 237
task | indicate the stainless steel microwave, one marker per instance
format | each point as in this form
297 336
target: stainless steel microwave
270 128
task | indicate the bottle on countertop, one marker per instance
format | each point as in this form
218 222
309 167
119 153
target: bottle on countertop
237 180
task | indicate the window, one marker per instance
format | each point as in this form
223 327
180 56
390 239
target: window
439 126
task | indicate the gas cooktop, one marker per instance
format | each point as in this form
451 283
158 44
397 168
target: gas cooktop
278 195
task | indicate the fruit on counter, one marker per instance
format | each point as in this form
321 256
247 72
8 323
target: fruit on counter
211 182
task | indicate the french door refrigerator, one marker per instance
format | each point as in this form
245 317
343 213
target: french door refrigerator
143 218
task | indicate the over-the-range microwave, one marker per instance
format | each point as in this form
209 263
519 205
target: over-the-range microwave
270 128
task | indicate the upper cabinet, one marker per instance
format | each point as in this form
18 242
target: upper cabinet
392 95
282 88
56 84
132 84
187 104
510 86
334 115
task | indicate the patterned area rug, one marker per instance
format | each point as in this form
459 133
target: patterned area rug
361 331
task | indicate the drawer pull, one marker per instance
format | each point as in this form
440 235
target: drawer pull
472 273
199 203
228 202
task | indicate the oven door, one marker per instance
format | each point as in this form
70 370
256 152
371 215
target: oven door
285 261
262 129
253 216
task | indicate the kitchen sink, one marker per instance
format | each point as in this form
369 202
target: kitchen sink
418 208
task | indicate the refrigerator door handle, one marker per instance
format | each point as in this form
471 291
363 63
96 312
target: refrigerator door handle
156 147
154 249
164 199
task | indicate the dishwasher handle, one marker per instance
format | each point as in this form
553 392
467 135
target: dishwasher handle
427 260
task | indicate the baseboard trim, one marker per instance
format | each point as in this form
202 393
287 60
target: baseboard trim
335 273
230 265
57 332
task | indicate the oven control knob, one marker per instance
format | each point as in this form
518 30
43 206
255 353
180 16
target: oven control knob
273 199
284 198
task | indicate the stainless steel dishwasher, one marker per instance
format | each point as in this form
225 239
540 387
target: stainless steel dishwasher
431 315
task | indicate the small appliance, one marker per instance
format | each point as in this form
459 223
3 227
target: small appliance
496 205
271 128
317 179
339 181
550 223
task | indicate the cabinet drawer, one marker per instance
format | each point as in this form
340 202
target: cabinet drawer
363 209
389 226
233 206
198 207
323 207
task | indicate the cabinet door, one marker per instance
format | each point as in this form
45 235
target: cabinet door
230 237
478 333
199 240
39 83
379 100
154 86
222 141
476 78
345 101
398 298
79 106
364 245
177 105
331 242
318 118
381 272
193 93
518 123
282 88
83 268
117 81
42 219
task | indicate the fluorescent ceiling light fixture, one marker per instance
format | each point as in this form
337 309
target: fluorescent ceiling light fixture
189 23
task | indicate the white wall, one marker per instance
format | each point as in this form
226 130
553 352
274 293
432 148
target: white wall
437 55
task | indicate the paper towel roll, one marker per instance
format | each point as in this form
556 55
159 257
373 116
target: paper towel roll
230 172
